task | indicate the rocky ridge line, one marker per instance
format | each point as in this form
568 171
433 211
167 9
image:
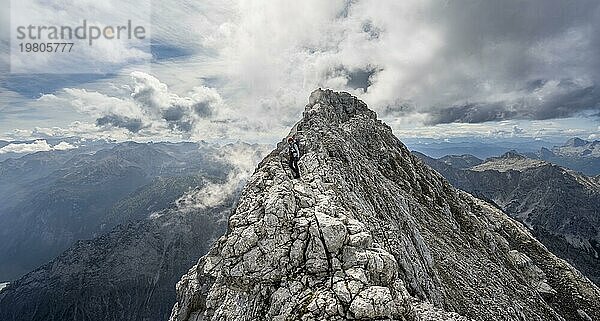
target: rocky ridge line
370 232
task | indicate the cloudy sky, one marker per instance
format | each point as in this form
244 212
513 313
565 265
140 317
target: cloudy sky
237 69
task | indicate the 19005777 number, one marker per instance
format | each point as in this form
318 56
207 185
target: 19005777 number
46 46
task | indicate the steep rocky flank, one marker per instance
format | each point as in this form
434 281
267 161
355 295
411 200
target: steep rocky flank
127 274
371 232
560 206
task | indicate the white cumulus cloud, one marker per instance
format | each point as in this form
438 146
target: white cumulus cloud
33 147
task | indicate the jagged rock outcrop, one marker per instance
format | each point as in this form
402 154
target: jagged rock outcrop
370 232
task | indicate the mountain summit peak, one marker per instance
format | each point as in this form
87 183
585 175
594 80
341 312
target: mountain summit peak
336 106
576 142
370 232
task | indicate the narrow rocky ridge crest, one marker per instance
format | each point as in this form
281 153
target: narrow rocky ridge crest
370 232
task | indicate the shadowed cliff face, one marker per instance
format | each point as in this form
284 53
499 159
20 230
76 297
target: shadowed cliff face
370 232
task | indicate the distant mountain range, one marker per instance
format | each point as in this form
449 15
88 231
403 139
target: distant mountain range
479 147
368 232
577 154
49 200
559 205
576 147
129 272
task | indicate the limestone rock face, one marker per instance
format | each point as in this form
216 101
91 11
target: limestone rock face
370 232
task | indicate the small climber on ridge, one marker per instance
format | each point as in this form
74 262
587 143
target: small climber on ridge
294 151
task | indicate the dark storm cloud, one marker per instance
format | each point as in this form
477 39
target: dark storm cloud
471 113
542 55
174 113
568 102
181 117
203 109
398 108
178 119
356 77
566 99
185 126
134 125
361 78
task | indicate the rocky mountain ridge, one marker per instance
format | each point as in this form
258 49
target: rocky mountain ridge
126 274
130 272
507 162
579 148
577 154
371 232
50 200
559 205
